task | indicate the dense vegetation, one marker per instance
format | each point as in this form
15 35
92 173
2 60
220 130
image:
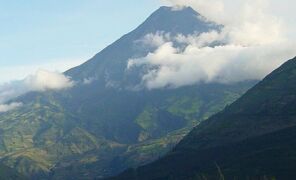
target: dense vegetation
252 138
44 138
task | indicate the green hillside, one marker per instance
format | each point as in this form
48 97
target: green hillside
47 138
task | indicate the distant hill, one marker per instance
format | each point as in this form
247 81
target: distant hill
253 137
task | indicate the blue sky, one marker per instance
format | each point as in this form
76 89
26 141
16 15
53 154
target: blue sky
41 34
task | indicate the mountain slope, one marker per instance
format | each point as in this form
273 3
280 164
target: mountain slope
103 125
253 137
44 138
267 107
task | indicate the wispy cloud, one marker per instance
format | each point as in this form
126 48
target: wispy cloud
9 107
42 80
19 72
45 80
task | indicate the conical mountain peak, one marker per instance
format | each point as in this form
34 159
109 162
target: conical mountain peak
114 58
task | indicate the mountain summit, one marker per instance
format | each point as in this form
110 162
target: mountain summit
184 21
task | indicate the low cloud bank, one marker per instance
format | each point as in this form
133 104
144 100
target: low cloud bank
45 80
9 107
41 81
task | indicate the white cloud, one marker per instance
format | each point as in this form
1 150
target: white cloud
42 80
170 67
9 107
246 22
19 72
200 40
45 80
89 80
252 43
154 40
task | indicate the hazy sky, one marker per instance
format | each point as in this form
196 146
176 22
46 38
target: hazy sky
55 34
